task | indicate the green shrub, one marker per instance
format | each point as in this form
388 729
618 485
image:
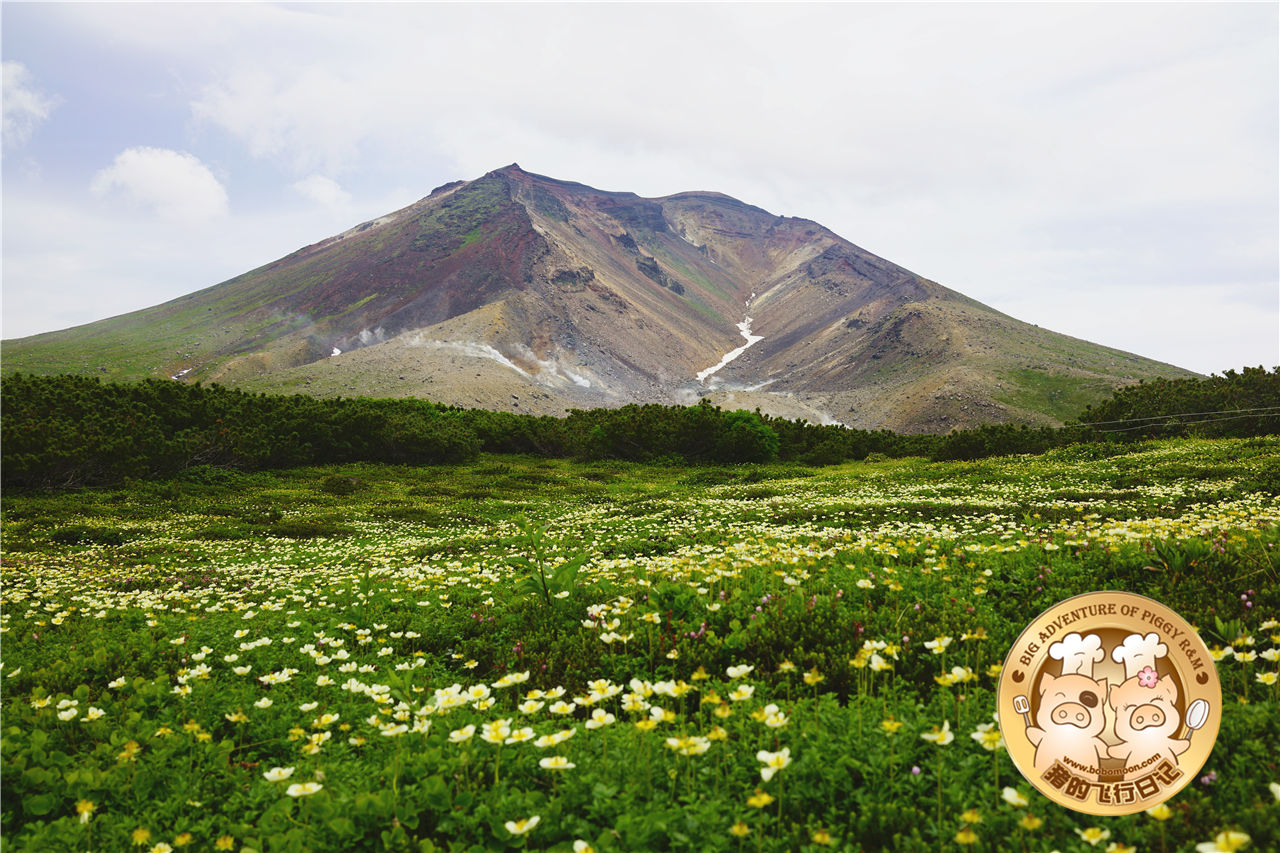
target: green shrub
335 484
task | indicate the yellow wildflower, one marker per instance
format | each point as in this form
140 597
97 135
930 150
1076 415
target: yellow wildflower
1093 835
988 736
821 836
1224 842
940 736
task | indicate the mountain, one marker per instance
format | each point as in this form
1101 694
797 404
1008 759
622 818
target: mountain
521 292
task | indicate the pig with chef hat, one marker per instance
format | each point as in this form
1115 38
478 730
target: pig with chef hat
1071 713
1146 716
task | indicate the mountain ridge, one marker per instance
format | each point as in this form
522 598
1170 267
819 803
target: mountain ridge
522 292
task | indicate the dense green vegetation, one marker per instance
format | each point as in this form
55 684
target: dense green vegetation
521 652
71 430
1233 404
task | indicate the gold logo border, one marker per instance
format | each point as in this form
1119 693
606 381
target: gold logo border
1123 611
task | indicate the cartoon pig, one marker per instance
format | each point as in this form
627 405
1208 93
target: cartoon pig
1144 703
1068 722
1146 719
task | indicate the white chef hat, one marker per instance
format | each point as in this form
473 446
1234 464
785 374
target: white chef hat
1138 652
1078 653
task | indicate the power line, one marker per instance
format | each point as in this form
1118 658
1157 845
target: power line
1181 415
1192 423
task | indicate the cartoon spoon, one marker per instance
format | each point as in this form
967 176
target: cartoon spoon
1197 714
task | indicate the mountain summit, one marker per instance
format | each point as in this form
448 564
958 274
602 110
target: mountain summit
521 292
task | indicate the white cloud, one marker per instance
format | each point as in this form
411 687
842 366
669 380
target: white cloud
67 263
311 117
323 190
25 107
1008 151
172 184
1206 328
877 103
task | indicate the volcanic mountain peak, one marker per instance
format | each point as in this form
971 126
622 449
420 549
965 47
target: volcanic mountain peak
518 291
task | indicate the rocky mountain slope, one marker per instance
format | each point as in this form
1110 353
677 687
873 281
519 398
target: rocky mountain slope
517 291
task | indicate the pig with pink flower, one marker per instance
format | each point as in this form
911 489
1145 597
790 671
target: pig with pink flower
1145 704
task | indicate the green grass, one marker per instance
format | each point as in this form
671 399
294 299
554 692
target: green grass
705 310
425 578
689 274
1063 397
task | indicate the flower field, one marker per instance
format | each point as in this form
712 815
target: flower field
543 654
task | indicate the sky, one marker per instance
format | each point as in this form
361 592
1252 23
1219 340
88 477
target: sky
1109 171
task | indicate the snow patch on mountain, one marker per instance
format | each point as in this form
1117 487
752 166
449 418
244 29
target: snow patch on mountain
745 328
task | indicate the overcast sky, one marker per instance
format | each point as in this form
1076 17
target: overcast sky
1108 171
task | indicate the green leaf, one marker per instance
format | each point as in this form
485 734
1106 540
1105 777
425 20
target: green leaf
567 572
274 821
436 793
321 807
371 802
343 826
40 804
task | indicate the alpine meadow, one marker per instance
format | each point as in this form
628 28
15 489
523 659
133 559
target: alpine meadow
535 516
621 637
643 427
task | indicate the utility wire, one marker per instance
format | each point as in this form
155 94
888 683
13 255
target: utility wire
1181 415
1191 423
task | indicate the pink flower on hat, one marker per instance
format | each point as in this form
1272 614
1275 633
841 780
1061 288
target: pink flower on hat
1147 677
